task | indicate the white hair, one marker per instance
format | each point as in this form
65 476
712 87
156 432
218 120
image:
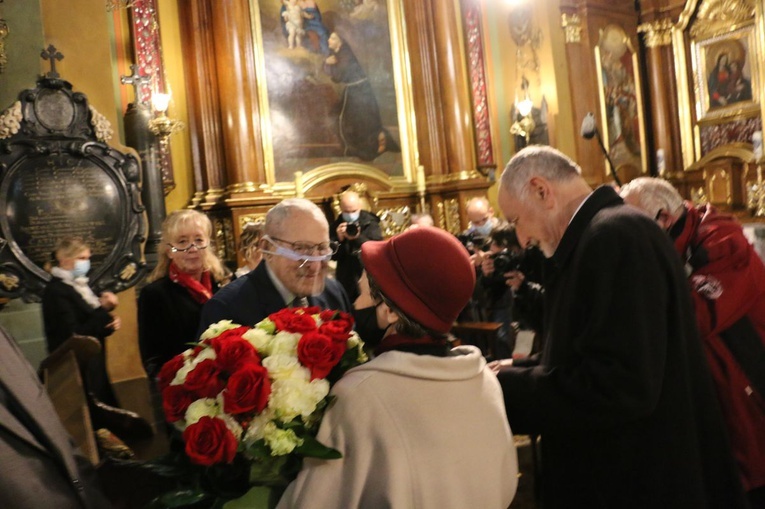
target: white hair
537 160
653 195
282 211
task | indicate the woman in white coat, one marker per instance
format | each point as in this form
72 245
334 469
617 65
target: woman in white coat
422 425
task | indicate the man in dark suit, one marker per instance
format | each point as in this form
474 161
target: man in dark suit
622 396
296 251
351 229
40 466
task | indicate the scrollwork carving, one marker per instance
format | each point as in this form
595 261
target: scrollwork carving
572 27
10 121
657 33
101 126
717 16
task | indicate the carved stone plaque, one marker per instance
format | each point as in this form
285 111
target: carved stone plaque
58 178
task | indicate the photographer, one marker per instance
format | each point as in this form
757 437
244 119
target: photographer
351 229
504 255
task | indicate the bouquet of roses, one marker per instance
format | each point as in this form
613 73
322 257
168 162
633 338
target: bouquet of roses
248 401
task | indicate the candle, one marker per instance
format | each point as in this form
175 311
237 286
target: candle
757 145
420 179
299 184
661 164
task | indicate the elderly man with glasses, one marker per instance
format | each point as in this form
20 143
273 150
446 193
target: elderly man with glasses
296 251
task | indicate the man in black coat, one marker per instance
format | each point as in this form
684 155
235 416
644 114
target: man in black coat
351 229
296 252
622 397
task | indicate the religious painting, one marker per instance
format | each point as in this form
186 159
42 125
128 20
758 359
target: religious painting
725 74
335 90
621 101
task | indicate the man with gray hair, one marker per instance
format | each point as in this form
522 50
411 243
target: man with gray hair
727 280
622 396
296 252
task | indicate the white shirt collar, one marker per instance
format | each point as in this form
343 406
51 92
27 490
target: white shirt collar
287 295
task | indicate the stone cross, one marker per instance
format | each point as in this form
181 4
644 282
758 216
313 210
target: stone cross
52 54
137 81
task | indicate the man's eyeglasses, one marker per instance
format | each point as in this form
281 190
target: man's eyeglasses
184 245
306 249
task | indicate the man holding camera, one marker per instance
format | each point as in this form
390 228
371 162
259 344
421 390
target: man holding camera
351 229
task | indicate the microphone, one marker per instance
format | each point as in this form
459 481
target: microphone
590 129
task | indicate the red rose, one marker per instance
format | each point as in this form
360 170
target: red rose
231 333
209 441
175 400
289 320
337 316
338 330
232 352
311 310
319 353
168 371
205 379
247 389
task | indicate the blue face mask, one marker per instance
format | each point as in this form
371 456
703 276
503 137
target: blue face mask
484 229
350 217
81 268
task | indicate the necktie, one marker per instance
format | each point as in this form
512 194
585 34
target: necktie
299 302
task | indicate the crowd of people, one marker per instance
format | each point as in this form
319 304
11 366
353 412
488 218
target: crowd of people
646 384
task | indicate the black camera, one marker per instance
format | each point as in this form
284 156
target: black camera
353 229
473 241
506 261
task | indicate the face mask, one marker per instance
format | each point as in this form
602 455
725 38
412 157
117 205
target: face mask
366 325
295 257
81 268
484 229
350 217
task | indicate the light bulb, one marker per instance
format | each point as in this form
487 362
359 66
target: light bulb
160 102
524 107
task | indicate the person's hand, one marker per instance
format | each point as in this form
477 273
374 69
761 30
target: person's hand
108 300
477 258
115 324
341 235
514 279
487 266
364 300
496 366
331 60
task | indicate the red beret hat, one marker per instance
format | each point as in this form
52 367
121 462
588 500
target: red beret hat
425 272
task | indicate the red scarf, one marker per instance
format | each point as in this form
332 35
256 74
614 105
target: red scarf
397 341
200 291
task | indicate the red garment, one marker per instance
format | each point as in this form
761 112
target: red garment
729 286
200 291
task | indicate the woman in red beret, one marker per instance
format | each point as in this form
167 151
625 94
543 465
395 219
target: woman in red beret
422 425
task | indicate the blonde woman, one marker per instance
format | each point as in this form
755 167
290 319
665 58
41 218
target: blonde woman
188 273
248 246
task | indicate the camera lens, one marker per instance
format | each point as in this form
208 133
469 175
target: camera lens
352 229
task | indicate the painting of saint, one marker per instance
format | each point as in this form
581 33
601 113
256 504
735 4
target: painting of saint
330 84
728 80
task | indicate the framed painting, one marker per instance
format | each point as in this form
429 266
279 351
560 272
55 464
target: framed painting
621 102
725 75
333 87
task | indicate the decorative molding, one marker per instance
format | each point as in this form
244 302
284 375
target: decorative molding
720 135
720 16
246 219
101 125
572 28
394 220
10 121
478 86
657 33
452 216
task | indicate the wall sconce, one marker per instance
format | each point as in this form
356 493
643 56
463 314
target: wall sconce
162 125
523 121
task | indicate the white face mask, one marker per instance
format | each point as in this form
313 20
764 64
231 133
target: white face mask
81 268
351 216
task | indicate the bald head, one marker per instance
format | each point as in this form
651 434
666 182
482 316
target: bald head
350 202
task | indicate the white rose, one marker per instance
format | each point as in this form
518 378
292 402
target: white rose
260 339
233 426
294 396
205 354
282 367
205 407
281 441
285 342
217 328
258 424
181 374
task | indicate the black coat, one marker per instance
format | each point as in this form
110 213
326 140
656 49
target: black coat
167 322
251 298
622 398
348 256
65 312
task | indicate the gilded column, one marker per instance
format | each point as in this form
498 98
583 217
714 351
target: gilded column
235 60
662 92
455 95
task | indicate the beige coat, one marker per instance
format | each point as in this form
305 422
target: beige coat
415 431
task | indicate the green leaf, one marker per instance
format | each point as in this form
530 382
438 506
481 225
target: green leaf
314 449
259 497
